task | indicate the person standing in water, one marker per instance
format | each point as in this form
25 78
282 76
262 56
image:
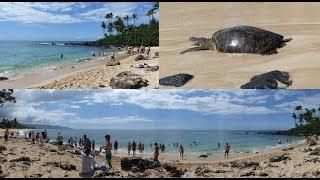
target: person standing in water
61 55
226 150
279 141
113 56
93 53
129 148
108 151
181 149
156 152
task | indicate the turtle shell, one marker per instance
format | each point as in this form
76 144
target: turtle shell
246 39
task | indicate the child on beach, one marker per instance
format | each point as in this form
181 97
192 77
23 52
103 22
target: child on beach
181 149
129 148
226 150
156 152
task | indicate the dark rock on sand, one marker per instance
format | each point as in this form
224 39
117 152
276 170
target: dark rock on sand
264 174
140 57
250 173
2 148
173 170
152 68
279 158
128 163
201 172
156 55
203 156
22 159
128 80
3 78
316 151
242 165
269 80
113 63
66 167
287 149
307 149
177 80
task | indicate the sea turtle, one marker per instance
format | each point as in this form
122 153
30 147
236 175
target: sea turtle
240 39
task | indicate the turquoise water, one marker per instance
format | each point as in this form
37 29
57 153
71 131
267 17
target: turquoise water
207 140
25 56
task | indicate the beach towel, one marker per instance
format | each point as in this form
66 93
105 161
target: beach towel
101 166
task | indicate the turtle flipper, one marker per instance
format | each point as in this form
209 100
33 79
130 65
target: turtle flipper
194 49
287 40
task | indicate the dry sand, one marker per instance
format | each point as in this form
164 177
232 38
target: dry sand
89 74
299 164
300 57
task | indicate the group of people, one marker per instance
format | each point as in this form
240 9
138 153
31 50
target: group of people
103 54
141 50
39 138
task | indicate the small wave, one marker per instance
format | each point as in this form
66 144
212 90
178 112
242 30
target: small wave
8 74
60 44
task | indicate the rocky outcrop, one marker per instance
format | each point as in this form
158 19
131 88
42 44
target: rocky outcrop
270 80
173 170
3 78
176 80
128 80
138 164
22 159
279 158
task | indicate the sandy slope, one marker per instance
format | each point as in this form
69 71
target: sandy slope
298 21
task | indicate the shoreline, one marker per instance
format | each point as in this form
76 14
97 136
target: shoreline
69 69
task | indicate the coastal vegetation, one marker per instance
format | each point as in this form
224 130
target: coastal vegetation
6 96
12 124
307 121
121 31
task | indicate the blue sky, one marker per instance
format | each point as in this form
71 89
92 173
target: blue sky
161 109
64 21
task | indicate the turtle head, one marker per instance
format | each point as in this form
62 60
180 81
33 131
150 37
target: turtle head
203 42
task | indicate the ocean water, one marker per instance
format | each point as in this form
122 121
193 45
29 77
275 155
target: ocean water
22 57
207 140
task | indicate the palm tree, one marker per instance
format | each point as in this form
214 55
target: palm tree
109 16
156 6
119 25
127 18
104 26
294 116
110 28
150 14
134 17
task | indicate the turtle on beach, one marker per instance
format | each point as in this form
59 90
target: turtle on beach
240 39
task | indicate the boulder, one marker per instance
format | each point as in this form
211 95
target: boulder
203 156
269 80
138 164
140 57
201 171
152 68
113 63
2 78
2 148
22 159
176 80
279 158
128 80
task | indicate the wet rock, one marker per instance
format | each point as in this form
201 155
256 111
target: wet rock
203 156
22 159
269 80
128 80
139 164
287 149
176 80
107 174
140 57
113 63
66 167
2 148
279 158
250 173
2 78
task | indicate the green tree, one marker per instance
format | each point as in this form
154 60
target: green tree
6 96
119 25
134 17
127 18
109 16
104 26
150 14
110 28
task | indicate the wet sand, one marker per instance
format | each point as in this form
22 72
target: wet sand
300 57
87 74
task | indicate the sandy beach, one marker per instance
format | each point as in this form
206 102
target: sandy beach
86 74
296 160
211 69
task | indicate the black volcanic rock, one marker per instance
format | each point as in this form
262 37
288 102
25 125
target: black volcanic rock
177 80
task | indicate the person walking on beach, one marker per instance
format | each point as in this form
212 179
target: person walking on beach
60 141
181 149
116 144
134 147
93 145
44 135
108 151
6 136
113 56
156 152
226 150
129 148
